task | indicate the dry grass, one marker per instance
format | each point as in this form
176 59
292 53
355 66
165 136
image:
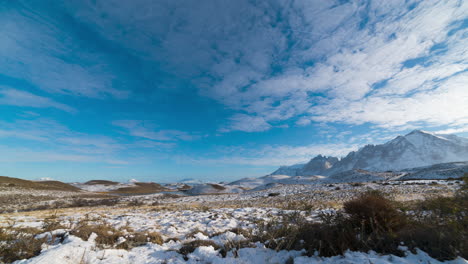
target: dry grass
217 187
373 222
190 247
20 243
109 237
10 182
136 239
194 232
104 182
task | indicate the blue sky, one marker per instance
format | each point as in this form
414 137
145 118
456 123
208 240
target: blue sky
219 90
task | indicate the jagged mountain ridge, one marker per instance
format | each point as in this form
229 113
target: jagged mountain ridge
416 149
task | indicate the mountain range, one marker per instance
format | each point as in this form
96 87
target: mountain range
416 149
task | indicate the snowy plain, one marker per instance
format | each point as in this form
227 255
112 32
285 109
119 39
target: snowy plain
214 217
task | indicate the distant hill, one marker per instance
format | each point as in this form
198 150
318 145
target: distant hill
141 188
10 182
103 182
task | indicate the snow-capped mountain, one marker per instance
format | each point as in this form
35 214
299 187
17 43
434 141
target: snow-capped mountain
416 149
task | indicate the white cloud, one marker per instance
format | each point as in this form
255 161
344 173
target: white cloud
38 49
246 123
271 62
45 140
437 107
9 96
303 121
146 129
349 63
24 155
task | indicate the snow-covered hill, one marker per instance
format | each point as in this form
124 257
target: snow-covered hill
213 188
416 149
441 171
437 171
251 183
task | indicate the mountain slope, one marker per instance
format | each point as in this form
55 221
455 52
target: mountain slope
437 171
251 183
10 182
416 149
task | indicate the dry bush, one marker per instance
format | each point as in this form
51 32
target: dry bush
107 235
52 223
194 232
327 239
190 247
440 227
93 202
247 233
373 222
135 202
137 239
234 246
241 231
19 243
300 205
281 232
444 242
372 212
175 239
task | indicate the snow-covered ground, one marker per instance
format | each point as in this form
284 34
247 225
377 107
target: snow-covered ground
214 225
213 217
74 250
102 187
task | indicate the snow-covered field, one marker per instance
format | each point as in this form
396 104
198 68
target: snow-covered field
216 218
177 228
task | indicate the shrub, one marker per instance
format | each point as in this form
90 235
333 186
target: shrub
52 223
137 239
107 235
373 222
194 232
190 247
93 202
440 242
372 212
135 202
175 239
19 244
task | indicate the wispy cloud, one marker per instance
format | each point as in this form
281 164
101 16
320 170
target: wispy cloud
43 139
275 63
147 129
25 155
9 96
318 59
41 50
247 123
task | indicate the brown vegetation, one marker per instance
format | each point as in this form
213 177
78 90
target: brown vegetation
103 182
10 182
108 236
190 247
372 222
